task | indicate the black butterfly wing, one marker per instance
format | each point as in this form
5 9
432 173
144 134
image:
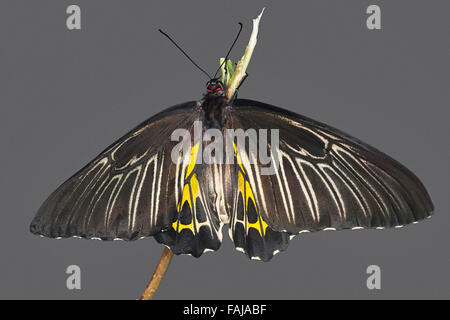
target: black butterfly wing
127 192
196 227
327 180
248 227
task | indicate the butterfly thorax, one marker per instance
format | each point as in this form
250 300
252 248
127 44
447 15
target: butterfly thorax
214 103
214 107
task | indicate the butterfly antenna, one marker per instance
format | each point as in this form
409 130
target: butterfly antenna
231 48
187 56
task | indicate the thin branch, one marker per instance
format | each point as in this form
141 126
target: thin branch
242 65
158 275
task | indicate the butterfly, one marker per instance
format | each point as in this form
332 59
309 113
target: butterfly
325 180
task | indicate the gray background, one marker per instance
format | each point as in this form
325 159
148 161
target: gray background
65 95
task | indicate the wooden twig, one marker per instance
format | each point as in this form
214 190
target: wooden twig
158 275
241 67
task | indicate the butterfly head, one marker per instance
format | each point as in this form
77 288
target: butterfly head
214 87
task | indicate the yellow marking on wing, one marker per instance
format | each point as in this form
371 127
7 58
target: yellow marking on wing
192 160
182 226
249 194
257 226
238 157
186 197
177 223
193 182
241 184
194 188
245 189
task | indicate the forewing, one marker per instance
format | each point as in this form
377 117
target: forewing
127 192
327 179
